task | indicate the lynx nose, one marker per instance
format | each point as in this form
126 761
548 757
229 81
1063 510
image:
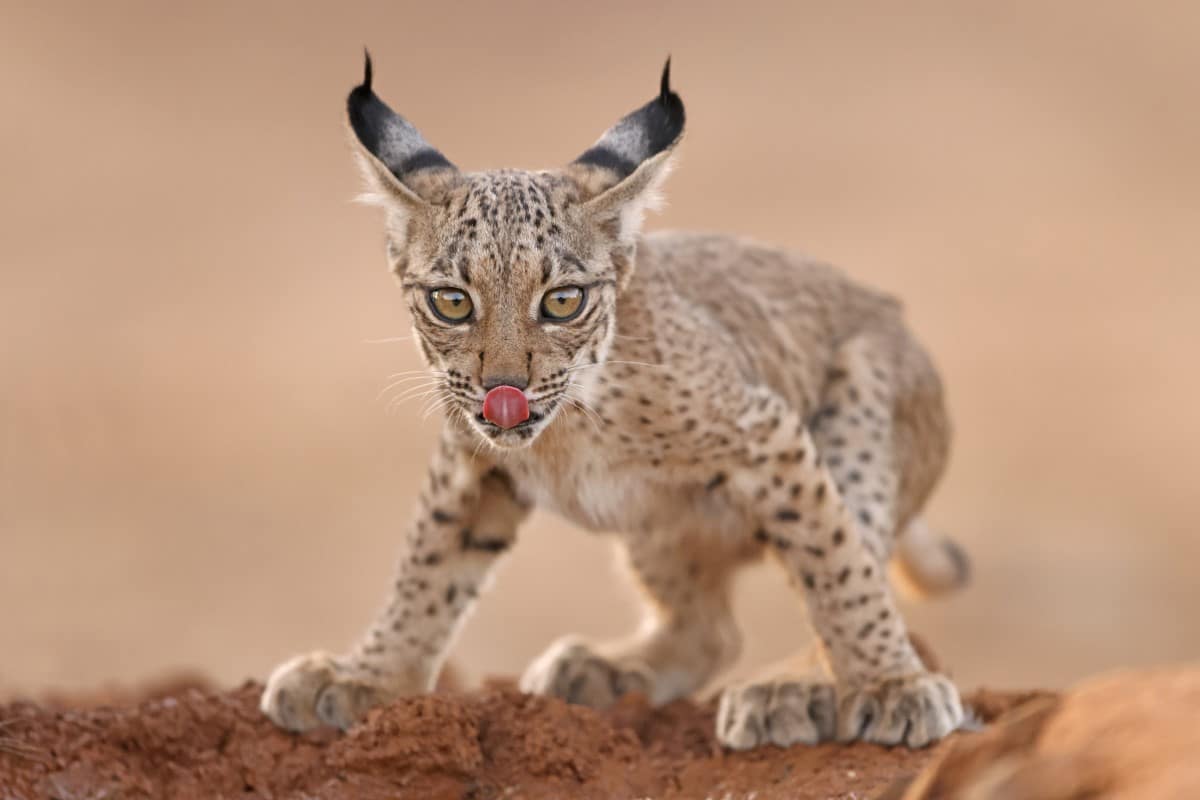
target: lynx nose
505 406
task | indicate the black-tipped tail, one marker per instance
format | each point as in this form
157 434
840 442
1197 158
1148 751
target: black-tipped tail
928 564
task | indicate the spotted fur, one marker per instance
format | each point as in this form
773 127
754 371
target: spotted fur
714 402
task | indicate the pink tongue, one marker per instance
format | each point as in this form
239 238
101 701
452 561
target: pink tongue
505 406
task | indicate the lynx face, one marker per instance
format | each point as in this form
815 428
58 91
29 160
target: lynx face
513 284
512 277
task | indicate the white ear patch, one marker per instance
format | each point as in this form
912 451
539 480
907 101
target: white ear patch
650 198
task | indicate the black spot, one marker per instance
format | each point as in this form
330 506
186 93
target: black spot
843 576
787 515
815 552
866 630
451 593
468 541
599 156
839 536
715 481
441 517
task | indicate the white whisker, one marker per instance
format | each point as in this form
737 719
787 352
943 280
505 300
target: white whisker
389 340
396 404
405 372
437 405
483 441
590 413
608 363
412 391
399 379
573 404
422 371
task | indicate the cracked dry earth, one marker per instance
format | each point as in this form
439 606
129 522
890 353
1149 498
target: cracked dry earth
185 740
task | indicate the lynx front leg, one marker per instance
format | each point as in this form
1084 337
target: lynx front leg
467 515
884 693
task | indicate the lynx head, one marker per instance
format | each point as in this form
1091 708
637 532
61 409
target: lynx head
513 277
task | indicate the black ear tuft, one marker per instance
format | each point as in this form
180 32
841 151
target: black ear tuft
366 81
388 136
640 134
672 107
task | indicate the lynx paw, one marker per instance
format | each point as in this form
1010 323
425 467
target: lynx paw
314 690
570 671
783 713
916 710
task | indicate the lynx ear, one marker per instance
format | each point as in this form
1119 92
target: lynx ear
622 172
397 161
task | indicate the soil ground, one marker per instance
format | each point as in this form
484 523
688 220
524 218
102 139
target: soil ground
197 468
184 740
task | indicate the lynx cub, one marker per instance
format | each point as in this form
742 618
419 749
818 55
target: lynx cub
707 399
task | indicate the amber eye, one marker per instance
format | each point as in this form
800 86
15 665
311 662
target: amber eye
563 304
451 305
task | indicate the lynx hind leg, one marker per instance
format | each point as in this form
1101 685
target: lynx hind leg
688 633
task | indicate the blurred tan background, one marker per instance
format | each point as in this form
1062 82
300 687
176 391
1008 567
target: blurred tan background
195 470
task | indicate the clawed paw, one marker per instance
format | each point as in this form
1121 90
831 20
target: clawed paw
915 711
314 690
571 671
782 713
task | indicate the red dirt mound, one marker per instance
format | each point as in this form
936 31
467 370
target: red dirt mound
491 743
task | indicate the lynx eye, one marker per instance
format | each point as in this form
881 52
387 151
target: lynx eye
451 305
563 304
